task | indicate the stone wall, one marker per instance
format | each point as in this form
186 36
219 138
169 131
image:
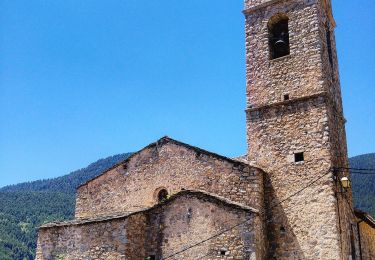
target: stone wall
110 239
182 221
367 234
305 226
315 223
255 3
173 166
366 226
298 74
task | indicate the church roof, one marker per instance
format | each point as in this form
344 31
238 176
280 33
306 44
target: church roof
164 140
365 217
195 193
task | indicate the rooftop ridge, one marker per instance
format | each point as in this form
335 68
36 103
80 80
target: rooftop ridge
125 214
165 140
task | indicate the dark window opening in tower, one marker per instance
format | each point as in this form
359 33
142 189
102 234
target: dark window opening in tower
162 195
299 157
279 36
329 46
352 243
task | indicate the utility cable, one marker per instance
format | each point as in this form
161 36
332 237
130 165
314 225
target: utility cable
357 170
243 222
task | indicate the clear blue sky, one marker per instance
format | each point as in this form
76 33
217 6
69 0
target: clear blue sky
81 80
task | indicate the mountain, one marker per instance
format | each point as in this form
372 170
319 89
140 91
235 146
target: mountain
363 184
70 182
25 206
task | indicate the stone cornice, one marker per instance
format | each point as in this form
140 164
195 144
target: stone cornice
287 102
293 101
272 2
269 3
199 194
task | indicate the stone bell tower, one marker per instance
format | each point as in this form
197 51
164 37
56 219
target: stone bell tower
296 128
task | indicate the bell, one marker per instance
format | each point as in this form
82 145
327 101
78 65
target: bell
280 44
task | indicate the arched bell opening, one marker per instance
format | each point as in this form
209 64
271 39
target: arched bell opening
161 195
278 36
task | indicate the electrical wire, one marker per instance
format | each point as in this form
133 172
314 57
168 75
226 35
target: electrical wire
207 239
358 169
363 173
215 252
243 222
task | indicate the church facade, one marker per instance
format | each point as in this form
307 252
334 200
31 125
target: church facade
288 198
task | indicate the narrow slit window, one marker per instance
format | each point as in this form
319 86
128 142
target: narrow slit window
299 157
329 46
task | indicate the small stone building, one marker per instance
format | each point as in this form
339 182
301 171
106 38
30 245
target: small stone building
366 227
180 220
162 199
287 198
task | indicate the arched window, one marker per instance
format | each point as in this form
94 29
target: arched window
162 195
278 36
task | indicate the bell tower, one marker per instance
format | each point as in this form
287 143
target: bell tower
296 128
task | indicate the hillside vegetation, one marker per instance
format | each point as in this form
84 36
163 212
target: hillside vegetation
25 206
364 184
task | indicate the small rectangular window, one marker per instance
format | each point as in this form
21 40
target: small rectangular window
286 97
299 157
223 252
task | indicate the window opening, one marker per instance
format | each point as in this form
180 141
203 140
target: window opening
352 243
279 37
162 195
223 252
299 157
329 46
286 97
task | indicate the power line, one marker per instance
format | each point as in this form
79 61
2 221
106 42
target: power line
356 170
207 239
215 252
359 169
363 173
243 222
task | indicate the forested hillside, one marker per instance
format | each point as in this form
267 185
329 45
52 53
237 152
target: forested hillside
25 206
364 184
68 183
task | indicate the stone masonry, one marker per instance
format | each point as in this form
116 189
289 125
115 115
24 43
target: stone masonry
366 226
283 200
173 166
159 231
294 107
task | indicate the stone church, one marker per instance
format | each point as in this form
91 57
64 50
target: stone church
288 198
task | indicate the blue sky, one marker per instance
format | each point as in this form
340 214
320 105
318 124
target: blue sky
82 80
